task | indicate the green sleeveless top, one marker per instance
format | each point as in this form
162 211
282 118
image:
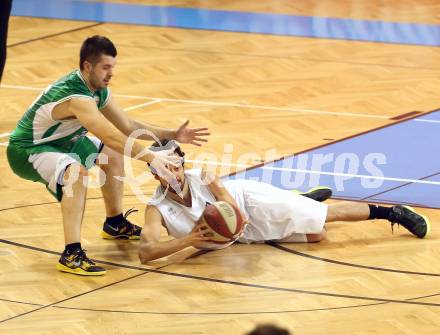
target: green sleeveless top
37 127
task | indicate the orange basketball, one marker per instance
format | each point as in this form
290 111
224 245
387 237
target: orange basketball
224 221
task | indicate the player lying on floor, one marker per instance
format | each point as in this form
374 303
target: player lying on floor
271 213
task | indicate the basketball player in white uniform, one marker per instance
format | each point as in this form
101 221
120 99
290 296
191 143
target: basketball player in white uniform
272 213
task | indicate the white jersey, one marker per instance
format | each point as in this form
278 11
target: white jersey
273 213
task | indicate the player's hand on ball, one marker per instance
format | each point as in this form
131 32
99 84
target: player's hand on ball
200 234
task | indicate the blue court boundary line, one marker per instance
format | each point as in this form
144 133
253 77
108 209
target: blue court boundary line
233 21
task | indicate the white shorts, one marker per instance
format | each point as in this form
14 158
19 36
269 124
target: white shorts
52 165
276 214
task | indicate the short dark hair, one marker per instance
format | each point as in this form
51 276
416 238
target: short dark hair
269 329
166 144
95 46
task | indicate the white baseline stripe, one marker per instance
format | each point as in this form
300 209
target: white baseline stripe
143 105
227 104
24 88
427 120
4 144
416 181
5 135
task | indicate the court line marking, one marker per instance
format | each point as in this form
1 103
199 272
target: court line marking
309 150
382 301
56 34
238 21
143 105
205 313
387 301
230 313
427 120
372 196
5 135
225 104
69 298
335 174
20 302
246 313
4 144
328 260
429 274
221 281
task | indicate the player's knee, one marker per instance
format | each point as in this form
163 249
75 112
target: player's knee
314 238
119 161
83 171
115 161
74 172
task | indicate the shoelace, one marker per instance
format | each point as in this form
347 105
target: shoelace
81 256
131 210
392 218
392 226
131 226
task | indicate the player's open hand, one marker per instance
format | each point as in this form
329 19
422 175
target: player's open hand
161 163
191 135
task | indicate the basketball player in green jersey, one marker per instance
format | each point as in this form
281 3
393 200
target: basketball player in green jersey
50 145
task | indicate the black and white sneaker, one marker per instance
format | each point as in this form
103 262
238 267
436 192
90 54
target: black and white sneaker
78 263
124 230
406 216
320 193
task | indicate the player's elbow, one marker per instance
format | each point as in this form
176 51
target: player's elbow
111 139
143 257
145 253
314 238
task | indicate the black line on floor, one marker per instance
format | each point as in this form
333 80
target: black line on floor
242 313
327 260
54 202
20 302
220 313
399 186
53 35
331 143
383 201
405 115
235 283
70 298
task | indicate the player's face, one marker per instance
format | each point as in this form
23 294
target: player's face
178 173
102 72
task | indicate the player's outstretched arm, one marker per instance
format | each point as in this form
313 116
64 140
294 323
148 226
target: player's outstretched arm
150 246
91 118
127 125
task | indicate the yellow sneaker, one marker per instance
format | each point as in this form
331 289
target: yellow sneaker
123 230
78 263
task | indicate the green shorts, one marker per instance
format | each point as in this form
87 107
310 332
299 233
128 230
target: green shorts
47 163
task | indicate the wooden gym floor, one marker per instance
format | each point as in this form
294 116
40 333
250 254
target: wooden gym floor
254 91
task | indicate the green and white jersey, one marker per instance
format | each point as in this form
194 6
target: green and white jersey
37 125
